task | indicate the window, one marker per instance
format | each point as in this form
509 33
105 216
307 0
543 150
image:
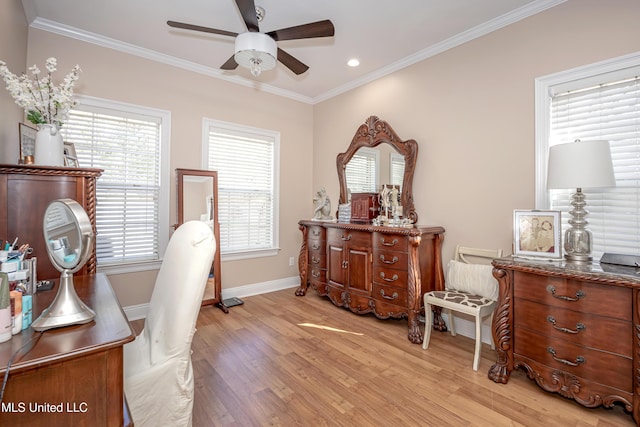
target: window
247 163
596 102
130 144
362 171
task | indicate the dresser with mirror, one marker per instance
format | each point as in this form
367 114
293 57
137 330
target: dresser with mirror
379 269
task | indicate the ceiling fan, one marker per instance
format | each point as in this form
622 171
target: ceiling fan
258 51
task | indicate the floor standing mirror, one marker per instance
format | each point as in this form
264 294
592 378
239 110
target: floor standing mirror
197 199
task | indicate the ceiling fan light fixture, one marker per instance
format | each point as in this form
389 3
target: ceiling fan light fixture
255 51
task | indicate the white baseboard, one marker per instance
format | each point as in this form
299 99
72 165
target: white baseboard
467 328
139 311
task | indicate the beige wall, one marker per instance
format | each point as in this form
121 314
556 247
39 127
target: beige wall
13 51
471 109
190 97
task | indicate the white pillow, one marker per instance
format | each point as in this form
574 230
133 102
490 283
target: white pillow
473 278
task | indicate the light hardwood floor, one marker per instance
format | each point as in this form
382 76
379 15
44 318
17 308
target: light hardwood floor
282 360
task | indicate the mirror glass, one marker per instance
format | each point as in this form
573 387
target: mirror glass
371 167
67 231
197 203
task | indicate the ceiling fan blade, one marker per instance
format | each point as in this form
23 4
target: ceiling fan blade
182 25
291 63
248 11
306 31
231 64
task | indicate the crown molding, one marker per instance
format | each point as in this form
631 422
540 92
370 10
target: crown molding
457 40
131 49
519 14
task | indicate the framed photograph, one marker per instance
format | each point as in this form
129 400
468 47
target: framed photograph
27 141
537 233
70 156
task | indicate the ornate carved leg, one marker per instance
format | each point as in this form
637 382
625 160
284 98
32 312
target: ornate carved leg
303 262
438 321
503 328
414 294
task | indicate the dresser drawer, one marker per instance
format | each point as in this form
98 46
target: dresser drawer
315 232
598 366
389 259
583 329
389 276
317 274
338 237
389 242
317 259
577 295
390 294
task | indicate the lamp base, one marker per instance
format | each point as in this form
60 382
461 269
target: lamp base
578 258
65 310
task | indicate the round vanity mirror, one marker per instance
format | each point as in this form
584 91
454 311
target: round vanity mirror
69 237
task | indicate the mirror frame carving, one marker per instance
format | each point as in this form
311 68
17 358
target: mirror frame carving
217 276
372 133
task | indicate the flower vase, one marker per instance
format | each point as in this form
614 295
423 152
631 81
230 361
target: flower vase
49 150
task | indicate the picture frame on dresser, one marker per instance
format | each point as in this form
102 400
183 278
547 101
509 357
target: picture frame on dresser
27 141
70 156
537 234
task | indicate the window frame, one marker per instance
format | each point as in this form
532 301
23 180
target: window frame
164 117
274 250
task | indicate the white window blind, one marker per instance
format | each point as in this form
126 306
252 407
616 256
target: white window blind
127 146
397 169
246 161
361 171
608 109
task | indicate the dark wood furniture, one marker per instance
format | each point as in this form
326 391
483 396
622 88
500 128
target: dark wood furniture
26 191
372 269
375 269
77 370
198 196
574 329
364 207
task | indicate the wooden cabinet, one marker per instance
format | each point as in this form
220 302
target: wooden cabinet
26 191
571 328
372 269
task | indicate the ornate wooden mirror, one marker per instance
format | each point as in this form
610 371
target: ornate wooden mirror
197 199
376 133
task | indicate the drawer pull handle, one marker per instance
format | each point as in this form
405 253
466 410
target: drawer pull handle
393 296
579 294
579 360
393 261
345 264
315 260
579 326
392 243
347 238
392 279
315 246
315 273
315 232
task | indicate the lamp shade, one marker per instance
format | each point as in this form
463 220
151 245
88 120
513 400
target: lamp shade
255 51
580 164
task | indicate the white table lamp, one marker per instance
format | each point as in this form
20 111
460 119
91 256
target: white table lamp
579 164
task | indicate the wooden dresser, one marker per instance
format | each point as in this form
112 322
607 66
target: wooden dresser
372 269
25 193
574 329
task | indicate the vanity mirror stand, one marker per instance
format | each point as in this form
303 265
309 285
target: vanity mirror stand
197 199
379 269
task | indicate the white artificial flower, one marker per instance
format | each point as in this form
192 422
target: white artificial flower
44 102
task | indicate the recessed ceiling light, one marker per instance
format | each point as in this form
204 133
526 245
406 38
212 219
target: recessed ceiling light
353 62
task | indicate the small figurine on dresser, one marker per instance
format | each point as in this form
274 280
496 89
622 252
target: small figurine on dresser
322 206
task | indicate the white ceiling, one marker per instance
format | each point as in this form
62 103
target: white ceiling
385 35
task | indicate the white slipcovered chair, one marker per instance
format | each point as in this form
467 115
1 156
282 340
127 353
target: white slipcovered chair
470 288
158 376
